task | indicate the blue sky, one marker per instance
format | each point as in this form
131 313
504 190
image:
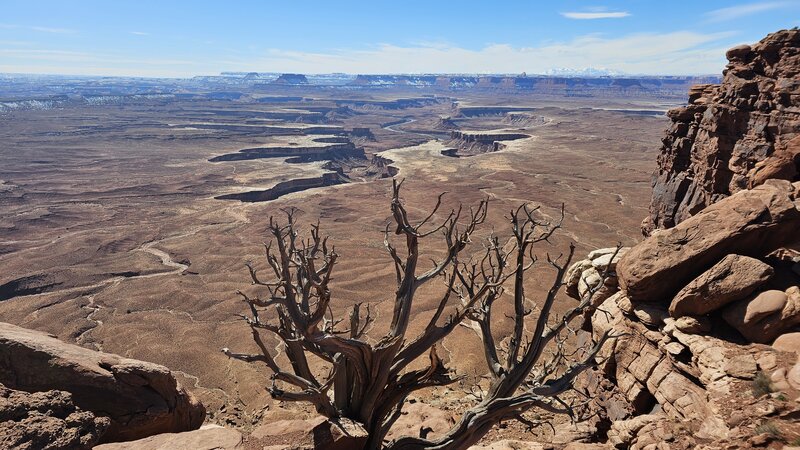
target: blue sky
186 38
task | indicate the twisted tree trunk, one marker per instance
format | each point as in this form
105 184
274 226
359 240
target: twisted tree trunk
371 382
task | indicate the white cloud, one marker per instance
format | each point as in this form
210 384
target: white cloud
11 26
681 52
140 33
53 30
16 43
735 12
76 59
596 15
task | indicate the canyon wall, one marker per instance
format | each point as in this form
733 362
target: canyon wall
569 86
706 310
733 135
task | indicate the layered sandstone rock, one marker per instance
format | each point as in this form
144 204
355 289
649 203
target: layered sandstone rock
697 299
46 420
731 279
209 437
470 143
655 375
752 222
734 135
767 315
681 293
317 433
596 275
140 398
445 123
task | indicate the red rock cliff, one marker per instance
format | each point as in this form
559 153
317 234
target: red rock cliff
734 135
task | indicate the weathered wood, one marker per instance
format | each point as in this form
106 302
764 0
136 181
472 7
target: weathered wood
371 382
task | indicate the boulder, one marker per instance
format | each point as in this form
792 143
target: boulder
765 316
733 278
793 376
590 281
46 420
789 342
624 432
594 254
140 398
208 437
607 261
693 325
317 433
572 280
751 222
738 53
419 418
651 315
586 276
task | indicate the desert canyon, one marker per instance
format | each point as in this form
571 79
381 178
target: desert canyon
119 277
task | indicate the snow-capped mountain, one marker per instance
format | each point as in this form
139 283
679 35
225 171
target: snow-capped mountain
584 72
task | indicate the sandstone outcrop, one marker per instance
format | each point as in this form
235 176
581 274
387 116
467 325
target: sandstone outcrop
789 342
445 124
731 279
524 120
474 143
691 307
752 222
208 437
585 277
654 375
140 399
734 135
46 421
317 433
767 315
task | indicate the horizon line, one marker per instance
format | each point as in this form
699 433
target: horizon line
407 74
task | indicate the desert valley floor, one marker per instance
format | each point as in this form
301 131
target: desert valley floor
125 225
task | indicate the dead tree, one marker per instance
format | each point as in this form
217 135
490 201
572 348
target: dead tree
369 382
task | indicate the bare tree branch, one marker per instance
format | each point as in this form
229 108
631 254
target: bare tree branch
371 381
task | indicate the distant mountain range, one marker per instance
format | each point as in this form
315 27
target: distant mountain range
585 72
51 91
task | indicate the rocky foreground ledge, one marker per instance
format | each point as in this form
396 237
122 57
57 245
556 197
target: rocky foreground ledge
80 397
707 315
707 308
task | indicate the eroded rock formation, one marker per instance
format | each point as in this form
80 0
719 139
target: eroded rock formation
139 398
208 437
291 79
467 143
752 222
46 420
696 305
667 368
445 124
734 135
